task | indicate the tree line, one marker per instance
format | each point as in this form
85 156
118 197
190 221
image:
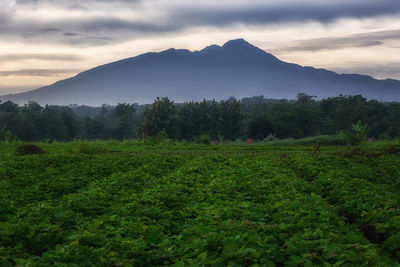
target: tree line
255 118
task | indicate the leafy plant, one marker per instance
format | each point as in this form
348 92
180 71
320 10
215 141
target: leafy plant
202 139
160 138
221 139
190 205
357 134
6 135
270 138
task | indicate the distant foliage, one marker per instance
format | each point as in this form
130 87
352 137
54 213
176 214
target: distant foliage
252 118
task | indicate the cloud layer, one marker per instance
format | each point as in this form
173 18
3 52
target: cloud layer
36 72
100 21
48 57
355 40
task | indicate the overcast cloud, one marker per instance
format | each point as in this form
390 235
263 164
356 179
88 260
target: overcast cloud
77 21
355 40
36 72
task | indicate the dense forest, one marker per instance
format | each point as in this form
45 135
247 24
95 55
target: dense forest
231 119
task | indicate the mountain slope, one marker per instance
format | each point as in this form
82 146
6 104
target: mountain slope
235 69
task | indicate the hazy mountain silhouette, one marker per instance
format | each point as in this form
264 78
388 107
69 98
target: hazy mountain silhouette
236 69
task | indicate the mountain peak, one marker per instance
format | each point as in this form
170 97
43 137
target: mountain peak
246 50
210 48
232 44
236 43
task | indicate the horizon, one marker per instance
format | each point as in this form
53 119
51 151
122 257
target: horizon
60 39
247 98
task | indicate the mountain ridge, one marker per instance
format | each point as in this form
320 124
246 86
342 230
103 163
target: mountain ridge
237 69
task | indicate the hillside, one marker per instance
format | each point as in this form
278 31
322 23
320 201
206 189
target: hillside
236 69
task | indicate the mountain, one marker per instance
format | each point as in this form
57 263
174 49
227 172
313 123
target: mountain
236 69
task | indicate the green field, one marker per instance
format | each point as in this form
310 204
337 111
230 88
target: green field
131 204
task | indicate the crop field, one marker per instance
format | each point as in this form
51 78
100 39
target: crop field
130 204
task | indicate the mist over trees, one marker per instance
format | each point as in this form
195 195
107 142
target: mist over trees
231 119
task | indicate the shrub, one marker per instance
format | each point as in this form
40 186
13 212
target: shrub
331 140
6 135
270 138
28 149
160 138
202 139
239 142
91 148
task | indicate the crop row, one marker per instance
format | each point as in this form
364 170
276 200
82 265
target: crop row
30 179
362 189
149 209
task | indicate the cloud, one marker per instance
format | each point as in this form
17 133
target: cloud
81 30
38 72
116 24
4 17
123 19
66 2
4 90
355 40
71 34
381 71
49 30
72 4
296 11
48 57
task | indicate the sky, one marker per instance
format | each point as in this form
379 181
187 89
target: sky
43 41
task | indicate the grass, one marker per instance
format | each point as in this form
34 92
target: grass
330 140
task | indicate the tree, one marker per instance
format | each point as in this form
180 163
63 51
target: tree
123 116
189 120
307 114
298 119
259 127
103 123
161 116
230 121
283 118
209 118
340 112
9 107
